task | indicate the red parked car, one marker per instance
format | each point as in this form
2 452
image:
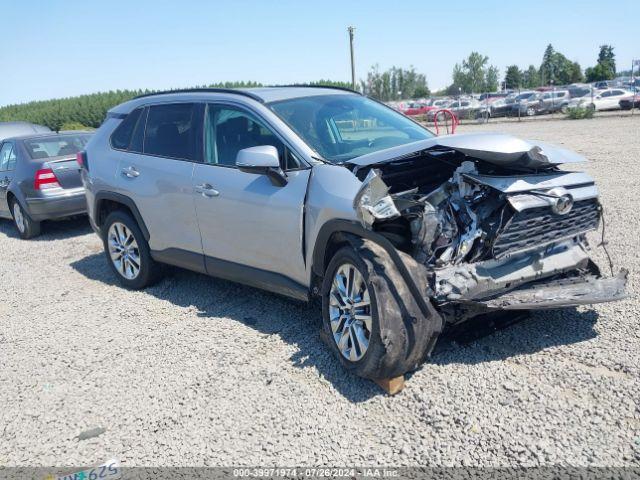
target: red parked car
416 108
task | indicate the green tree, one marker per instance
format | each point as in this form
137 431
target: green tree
513 78
547 70
530 77
575 73
474 74
558 69
394 84
605 69
491 79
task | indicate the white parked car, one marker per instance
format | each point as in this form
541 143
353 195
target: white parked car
602 100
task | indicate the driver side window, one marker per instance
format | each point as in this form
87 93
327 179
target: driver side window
227 130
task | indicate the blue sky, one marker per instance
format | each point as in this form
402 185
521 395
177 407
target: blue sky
61 48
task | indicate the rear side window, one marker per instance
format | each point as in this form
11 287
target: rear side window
121 137
6 155
137 140
171 131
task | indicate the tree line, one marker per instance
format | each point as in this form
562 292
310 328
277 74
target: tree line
473 74
89 111
557 69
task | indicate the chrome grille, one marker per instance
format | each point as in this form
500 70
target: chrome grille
539 226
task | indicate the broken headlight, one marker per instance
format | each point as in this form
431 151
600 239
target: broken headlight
373 202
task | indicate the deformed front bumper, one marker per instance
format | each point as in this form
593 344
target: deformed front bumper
558 276
587 291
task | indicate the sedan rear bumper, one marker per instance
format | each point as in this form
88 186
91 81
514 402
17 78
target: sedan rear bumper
63 203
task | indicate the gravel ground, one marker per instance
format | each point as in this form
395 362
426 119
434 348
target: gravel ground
198 371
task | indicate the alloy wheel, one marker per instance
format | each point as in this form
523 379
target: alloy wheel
350 312
18 217
123 250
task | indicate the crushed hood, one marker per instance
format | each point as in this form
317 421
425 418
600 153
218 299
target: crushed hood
496 148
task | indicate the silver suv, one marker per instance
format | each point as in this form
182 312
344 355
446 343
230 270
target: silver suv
319 192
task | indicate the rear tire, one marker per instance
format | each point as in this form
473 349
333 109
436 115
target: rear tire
26 226
399 336
128 252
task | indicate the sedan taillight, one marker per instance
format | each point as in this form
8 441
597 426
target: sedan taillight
45 178
81 158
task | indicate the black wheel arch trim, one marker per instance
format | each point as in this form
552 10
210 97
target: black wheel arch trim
124 200
355 228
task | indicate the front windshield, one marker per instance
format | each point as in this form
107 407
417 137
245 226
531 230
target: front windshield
342 127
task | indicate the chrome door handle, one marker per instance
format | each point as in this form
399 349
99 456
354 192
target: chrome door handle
130 172
206 190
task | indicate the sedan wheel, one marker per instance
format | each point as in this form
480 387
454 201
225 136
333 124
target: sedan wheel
350 312
26 226
124 251
531 112
19 218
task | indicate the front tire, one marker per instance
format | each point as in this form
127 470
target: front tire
531 112
26 226
370 320
128 252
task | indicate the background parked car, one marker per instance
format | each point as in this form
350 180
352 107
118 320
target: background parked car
416 108
608 99
465 108
629 102
554 101
603 85
526 103
579 90
501 107
493 96
583 100
40 179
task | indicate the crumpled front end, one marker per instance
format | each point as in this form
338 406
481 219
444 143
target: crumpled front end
494 233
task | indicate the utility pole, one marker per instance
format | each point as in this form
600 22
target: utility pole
353 67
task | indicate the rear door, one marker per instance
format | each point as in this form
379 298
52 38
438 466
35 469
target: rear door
243 217
7 167
615 97
155 170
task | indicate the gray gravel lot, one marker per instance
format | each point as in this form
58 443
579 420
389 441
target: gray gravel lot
198 371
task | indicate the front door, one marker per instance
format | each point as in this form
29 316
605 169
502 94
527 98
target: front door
245 219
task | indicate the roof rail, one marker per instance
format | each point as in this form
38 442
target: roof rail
206 90
334 87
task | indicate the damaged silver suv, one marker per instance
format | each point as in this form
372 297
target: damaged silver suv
319 192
